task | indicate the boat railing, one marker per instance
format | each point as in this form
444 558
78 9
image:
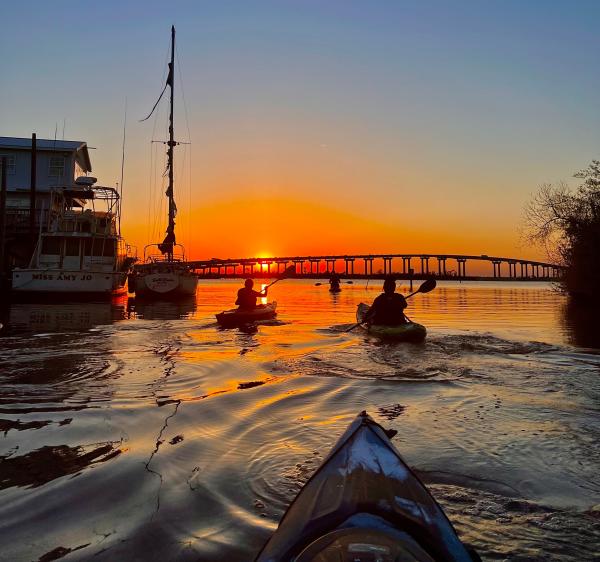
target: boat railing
131 251
160 258
76 210
18 220
153 254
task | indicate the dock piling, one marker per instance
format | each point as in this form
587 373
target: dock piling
3 217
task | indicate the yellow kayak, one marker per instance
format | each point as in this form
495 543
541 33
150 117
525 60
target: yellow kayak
409 331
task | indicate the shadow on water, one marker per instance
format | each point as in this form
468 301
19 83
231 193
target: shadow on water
61 317
161 310
581 323
43 465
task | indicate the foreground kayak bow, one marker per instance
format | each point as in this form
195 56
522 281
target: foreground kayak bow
364 504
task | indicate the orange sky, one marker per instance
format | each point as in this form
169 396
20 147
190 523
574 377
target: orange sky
320 127
277 227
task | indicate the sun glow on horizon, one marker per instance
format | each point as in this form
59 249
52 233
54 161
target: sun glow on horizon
292 226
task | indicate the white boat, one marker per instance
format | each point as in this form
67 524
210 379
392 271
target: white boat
81 253
164 274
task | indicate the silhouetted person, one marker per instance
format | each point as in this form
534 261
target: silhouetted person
246 297
388 308
334 281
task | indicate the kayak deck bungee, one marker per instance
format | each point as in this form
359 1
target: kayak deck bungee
236 317
410 331
364 504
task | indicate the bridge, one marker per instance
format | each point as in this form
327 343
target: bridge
373 266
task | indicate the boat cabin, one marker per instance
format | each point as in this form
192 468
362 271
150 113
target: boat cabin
77 252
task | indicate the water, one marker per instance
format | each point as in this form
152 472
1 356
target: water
143 432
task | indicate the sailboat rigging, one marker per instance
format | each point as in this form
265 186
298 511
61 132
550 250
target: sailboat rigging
166 275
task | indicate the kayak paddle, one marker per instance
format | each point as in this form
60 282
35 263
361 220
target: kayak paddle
426 287
288 271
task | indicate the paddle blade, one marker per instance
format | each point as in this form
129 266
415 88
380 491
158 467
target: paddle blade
427 286
288 271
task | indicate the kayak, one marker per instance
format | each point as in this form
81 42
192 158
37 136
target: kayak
236 317
335 289
364 504
410 331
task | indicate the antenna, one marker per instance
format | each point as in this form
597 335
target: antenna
122 166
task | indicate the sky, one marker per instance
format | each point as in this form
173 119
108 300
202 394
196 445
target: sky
316 126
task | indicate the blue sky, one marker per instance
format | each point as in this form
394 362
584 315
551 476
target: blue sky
433 113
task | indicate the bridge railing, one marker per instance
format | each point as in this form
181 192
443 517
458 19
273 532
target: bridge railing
405 266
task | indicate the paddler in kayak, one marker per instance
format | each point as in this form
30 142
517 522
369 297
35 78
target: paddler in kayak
388 308
334 283
246 296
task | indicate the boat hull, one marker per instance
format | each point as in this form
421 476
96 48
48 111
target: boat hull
67 283
165 285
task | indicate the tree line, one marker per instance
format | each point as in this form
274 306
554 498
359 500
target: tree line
567 223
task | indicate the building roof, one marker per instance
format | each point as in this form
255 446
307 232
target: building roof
80 147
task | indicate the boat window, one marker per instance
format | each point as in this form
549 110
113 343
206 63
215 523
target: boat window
92 246
51 245
72 247
99 247
109 249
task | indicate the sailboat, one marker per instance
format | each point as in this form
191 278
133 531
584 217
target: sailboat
164 273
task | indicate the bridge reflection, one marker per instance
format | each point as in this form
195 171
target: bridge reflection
408 266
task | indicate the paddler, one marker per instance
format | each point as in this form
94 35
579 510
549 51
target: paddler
246 297
388 308
334 281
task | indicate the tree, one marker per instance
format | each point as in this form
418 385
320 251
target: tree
567 224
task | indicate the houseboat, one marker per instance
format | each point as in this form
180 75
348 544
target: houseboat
79 252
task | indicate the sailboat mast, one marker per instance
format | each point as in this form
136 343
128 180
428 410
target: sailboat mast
172 143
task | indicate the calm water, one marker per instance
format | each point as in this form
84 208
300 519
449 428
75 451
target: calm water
143 432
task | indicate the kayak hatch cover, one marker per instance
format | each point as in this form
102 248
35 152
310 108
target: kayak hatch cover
364 504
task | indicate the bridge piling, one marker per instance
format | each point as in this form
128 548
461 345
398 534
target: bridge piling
310 266
441 265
